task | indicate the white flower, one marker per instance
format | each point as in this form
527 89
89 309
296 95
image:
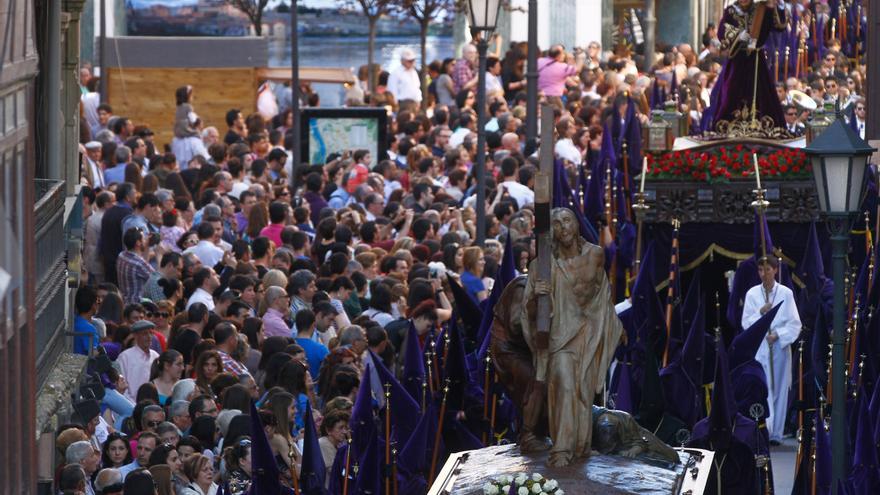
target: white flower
559 492
505 479
537 477
550 485
490 489
505 489
520 479
522 491
536 488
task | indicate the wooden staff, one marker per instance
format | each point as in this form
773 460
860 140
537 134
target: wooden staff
387 437
833 28
345 474
853 332
435 364
610 222
868 239
486 385
800 430
776 65
446 340
670 291
625 148
394 483
641 208
785 67
436 453
429 361
424 394
492 418
841 14
543 202
815 39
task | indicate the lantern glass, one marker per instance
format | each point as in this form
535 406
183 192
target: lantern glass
484 14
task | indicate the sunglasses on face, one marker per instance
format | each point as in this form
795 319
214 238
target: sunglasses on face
153 424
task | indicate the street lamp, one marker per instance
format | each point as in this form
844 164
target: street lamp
840 161
484 16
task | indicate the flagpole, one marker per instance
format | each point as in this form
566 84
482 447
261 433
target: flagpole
387 438
436 453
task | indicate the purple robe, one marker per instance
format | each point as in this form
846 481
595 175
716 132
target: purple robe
738 75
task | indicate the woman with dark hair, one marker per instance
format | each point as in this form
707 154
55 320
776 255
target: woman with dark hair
165 371
208 366
133 175
294 377
111 308
343 383
115 452
166 454
270 347
238 466
380 304
148 392
283 442
452 257
340 355
334 432
465 99
187 142
273 369
236 397
204 428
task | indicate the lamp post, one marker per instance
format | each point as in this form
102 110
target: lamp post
484 16
840 162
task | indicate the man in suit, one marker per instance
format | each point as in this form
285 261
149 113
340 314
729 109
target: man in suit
110 243
792 124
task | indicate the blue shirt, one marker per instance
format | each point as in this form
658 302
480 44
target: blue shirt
315 353
472 284
115 174
128 468
81 344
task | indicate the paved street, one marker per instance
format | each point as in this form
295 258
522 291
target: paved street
783 458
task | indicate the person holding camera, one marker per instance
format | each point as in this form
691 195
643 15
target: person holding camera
132 266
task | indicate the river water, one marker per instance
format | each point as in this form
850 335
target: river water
351 53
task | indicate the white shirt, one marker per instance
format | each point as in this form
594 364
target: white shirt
404 84
208 252
458 136
97 174
786 324
493 84
522 194
566 150
202 296
135 366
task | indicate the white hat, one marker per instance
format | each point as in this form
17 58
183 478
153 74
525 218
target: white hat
407 54
94 145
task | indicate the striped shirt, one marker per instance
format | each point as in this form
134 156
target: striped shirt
132 273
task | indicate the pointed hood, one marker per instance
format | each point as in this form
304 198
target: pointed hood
363 426
467 308
865 450
823 457
651 405
723 412
312 472
819 349
595 199
369 475
404 409
413 374
264 479
694 346
564 197
746 344
761 223
505 274
811 269
633 136
455 370
656 98
623 394
648 315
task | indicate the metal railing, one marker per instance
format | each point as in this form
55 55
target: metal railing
51 274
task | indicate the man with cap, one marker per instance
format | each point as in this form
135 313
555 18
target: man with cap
404 82
91 170
774 354
135 362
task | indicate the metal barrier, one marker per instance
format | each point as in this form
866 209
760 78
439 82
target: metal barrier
51 268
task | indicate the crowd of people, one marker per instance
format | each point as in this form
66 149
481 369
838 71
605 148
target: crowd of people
210 285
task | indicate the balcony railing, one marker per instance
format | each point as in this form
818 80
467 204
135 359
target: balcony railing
51 272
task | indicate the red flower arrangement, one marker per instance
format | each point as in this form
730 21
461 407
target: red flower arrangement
727 163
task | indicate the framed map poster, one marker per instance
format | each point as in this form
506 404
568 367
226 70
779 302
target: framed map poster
324 131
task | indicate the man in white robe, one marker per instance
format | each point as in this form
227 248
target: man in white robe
774 354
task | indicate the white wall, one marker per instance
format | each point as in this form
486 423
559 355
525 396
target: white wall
556 24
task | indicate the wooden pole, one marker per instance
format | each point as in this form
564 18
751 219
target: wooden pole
436 453
486 396
670 291
543 201
387 438
345 474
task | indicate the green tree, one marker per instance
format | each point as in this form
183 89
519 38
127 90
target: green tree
373 10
